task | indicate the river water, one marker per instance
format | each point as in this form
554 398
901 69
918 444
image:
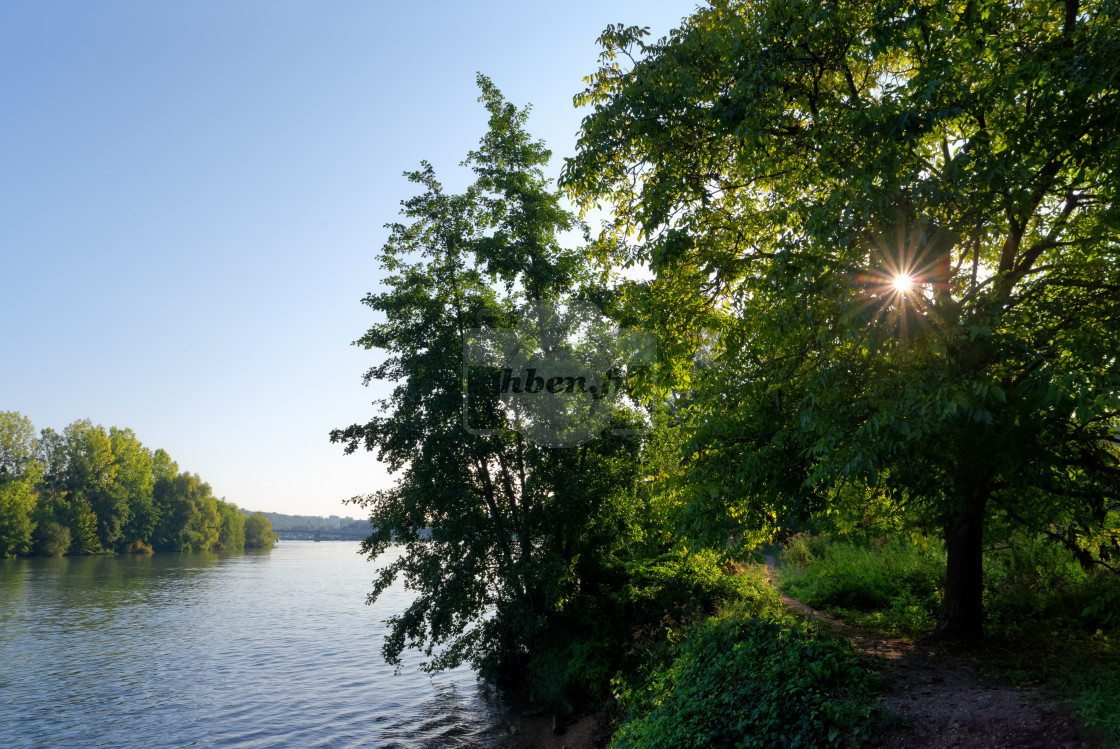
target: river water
261 649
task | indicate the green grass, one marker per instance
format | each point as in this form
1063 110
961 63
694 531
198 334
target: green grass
892 588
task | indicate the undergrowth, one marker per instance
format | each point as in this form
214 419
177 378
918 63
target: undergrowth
751 676
892 587
1060 621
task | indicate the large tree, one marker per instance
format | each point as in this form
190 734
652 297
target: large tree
500 533
91 474
189 518
900 221
258 532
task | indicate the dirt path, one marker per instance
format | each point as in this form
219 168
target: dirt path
938 686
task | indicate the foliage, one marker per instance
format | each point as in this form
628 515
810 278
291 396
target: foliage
52 539
91 477
258 532
82 522
231 529
17 503
1099 704
518 552
133 479
88 491
629 624
17 444
1034 588
747 681
188 514
782 163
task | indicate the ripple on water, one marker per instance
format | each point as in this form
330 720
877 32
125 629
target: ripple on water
273 649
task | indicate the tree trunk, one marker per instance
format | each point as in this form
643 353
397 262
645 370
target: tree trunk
962 610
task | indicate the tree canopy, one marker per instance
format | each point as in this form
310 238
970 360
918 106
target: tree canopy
510 545
891 233
88 490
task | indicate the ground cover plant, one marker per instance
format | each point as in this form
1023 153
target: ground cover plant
751 676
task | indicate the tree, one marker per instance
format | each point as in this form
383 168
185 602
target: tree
504 538
81 520
231 530
52 539
258 532
19 474
902 219
17 503
163 467
188 514
51 454
132 485
91 472
17 444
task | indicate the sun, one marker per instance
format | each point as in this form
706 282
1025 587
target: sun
902 283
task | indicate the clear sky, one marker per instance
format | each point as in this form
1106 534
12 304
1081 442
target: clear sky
192 195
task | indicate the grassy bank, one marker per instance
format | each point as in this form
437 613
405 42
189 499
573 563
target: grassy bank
1051 623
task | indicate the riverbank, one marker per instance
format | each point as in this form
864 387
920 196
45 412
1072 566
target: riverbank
940 691
913 692
536 732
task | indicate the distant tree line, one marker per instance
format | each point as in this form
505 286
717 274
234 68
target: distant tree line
313 523
90 490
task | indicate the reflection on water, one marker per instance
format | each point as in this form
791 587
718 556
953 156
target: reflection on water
257 649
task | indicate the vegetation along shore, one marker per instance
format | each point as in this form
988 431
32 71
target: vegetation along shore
876 248
91 491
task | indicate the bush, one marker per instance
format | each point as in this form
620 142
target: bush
744 681
1033 585
631 624
1099 705
51 539
801 550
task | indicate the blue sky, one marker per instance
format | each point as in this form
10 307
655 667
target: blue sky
192 196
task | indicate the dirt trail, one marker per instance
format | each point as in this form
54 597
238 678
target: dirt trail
938 686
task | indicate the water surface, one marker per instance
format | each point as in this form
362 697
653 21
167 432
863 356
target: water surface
261 649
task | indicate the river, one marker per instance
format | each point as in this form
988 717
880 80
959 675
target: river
261 649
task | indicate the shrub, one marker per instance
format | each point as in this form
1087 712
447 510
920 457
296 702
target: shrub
632 626
1034 585
1099 705
51 539
744 681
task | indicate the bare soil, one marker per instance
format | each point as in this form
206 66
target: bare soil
938 687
